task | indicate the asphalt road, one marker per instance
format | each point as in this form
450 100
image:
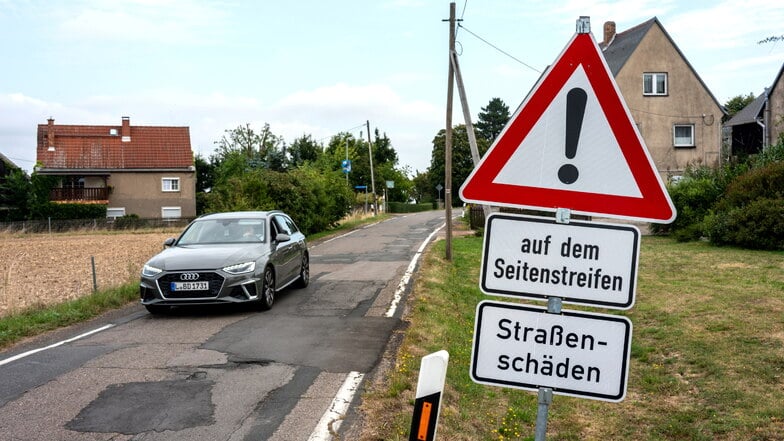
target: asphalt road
290 373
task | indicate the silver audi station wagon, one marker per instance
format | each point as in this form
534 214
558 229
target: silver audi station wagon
236 257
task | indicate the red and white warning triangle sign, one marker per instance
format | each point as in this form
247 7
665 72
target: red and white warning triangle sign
572 144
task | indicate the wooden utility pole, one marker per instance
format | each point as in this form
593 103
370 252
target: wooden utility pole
467 117
372 178
448 137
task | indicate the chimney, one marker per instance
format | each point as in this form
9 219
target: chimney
609 32
126 129
50 134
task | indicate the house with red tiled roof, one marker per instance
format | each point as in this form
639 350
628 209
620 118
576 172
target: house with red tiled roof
143 170
677 115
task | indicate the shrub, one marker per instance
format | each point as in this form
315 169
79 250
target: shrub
756 225
693 199
764 182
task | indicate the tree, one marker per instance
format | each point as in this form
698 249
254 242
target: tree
772 39
422 191
383 152
261 150
304 149
492 119
205 173
736 104
462 163
15 190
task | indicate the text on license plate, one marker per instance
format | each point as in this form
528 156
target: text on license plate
190 286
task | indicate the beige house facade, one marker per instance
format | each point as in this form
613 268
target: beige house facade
147 171
774 112
675 112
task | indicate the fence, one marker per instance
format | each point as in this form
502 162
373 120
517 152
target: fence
103 224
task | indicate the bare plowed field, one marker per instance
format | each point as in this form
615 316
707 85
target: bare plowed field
43 269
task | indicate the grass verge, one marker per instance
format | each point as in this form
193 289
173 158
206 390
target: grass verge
38 320
707 354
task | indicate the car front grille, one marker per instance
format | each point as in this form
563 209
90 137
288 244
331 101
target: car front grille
215 280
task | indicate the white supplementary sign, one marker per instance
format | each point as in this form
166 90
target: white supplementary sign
574 353
581 262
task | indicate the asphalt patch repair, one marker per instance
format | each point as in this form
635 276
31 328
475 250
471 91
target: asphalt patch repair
133 408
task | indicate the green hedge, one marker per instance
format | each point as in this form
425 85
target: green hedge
71 211
402 207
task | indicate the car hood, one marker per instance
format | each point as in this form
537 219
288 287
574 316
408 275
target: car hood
203 257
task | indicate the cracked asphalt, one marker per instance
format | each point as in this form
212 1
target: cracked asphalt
219 373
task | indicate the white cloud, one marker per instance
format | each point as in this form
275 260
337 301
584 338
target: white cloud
173 21
723 25
320 112
618 11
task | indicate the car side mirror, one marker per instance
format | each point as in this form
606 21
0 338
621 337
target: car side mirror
169 242
281 237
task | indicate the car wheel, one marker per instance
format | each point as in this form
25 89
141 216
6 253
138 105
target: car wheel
157 309
267 296
304 272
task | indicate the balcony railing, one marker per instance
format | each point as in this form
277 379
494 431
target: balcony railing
80 194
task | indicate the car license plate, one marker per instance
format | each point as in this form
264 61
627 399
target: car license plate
190 286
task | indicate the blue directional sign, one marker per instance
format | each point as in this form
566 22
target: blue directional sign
346 164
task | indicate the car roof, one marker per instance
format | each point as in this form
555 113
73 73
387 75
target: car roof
239 215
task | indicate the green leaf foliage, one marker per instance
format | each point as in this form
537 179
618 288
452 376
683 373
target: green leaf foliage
693 199
765 182
315 199
755 225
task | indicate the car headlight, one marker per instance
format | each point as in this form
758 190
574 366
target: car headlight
150 271
240 268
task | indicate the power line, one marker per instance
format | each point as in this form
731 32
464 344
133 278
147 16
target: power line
461 16
500 50
19 159
344 131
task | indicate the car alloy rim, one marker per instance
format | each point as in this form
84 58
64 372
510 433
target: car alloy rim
269 286
305 270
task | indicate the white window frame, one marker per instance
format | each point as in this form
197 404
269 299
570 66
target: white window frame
654 82
172 185
164 210
675 138
119 210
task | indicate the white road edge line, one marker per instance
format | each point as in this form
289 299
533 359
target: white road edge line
401 287
34 351
333 417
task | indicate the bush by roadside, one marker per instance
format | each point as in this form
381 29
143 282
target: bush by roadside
738 204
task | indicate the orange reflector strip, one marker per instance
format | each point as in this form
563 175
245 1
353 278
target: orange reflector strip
424 419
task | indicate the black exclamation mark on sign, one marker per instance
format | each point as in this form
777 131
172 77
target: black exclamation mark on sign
575 110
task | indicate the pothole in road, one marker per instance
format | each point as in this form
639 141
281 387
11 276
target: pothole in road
132 408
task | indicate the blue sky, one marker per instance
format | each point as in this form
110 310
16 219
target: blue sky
321 67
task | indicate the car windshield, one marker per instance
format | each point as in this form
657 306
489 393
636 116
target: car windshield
223 231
